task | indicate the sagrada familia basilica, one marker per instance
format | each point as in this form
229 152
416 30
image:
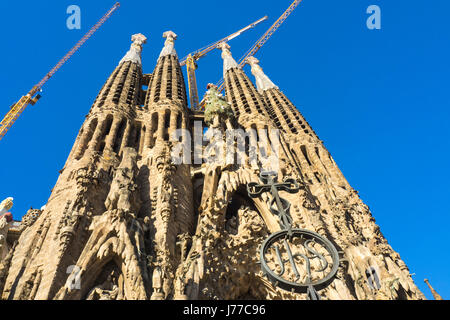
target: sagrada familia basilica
127 221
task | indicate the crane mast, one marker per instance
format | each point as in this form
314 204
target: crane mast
32 97
190 61
191 66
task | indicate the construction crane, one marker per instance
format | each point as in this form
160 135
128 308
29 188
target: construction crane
32 97
258 45
190 61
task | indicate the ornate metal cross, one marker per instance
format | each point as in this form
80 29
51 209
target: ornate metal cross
271 185
302 249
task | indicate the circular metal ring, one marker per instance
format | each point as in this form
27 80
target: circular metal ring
294 286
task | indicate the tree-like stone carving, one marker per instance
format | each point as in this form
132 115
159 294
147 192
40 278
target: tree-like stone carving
30 218
123 189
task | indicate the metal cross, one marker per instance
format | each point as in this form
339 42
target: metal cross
270 184
286 235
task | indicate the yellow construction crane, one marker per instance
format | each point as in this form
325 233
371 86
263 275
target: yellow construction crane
190 61
32 97
258 45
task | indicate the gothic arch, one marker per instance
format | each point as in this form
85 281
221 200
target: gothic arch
111 241
238 199
241 178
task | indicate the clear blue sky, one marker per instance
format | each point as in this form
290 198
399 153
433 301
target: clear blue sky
379 99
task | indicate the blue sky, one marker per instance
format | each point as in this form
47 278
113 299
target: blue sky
377 98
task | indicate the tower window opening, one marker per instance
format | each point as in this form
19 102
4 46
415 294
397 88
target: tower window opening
137 135
141 140
317 177
179 121
119 136
153 128
167 119
305 154
109 120
86 138
166 124
102 146
317 152
105 132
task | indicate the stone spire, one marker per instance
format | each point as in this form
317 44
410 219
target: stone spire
434 292
240 91
167 82
134 54
263 82
123 87
169 45
228 61
285 115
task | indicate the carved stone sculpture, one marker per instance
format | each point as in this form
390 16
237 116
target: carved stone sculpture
5 220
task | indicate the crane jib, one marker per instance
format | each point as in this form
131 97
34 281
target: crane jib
264 38
203 51
189 61
17 109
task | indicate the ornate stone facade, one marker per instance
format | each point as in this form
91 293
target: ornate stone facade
125 222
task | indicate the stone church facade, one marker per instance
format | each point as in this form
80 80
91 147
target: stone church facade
125 222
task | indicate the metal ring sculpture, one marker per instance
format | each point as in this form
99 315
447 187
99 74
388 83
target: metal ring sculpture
314 278
327 268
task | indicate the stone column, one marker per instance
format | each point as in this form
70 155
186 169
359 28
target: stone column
126 136
161 126
148 141
173 124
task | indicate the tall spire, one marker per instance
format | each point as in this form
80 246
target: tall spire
169 45
123 85
167 82
434 292
263 82
134 54
228 61
285 115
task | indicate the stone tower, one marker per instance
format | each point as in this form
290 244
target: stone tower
125 221
119 207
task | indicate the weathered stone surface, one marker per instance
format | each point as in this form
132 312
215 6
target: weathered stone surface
5 222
